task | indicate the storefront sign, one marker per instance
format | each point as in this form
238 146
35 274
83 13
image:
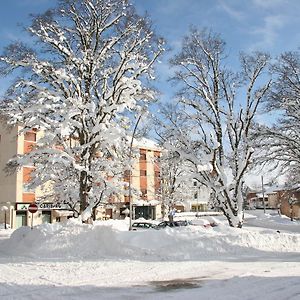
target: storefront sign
22 206
53 206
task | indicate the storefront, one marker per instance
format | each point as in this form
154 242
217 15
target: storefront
21 215
149 210
47 213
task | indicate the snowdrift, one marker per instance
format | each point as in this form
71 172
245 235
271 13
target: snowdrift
112 240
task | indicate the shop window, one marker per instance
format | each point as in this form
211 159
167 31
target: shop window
46 216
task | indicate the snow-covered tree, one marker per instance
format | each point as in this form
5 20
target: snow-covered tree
78 85
176 171
220 107
280 142
176 179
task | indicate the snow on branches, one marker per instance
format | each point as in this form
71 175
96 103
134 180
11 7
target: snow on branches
280 142
219 108
87 73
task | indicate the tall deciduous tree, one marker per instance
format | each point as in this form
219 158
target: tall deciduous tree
280 142
88 70
220 107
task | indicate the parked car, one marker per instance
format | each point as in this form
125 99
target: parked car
207 222
143 225
172 224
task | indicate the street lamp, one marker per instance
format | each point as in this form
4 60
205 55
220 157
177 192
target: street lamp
5 209
130 175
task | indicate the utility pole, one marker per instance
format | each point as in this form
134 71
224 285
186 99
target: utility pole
263 192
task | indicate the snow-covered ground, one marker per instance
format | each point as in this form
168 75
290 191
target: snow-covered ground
106 261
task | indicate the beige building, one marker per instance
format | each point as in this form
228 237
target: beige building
15 197
14 192
285 200
145 183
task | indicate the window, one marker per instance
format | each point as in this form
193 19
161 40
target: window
27 171
127 175
27 189
46 216
195 195
195 183
143 156
126 198
199 207
30 136
143 173
144 193
157 160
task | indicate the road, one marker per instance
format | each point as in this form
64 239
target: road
264 222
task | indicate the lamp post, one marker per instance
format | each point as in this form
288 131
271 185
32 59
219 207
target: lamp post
130 175
263 193
5 209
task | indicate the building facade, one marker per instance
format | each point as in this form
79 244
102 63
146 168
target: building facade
285 200
15 196
196 199
145 186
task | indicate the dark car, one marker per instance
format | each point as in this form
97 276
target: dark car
172 224
143 225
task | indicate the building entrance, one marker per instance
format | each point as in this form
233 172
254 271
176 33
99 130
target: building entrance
21 219
146 212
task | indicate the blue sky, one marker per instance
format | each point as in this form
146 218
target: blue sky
245 25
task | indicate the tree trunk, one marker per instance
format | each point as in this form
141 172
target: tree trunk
83 195
234 219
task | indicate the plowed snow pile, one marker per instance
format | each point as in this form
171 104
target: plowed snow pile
111 239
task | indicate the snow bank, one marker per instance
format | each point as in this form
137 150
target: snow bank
111 239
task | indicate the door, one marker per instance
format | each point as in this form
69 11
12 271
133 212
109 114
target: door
21 219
